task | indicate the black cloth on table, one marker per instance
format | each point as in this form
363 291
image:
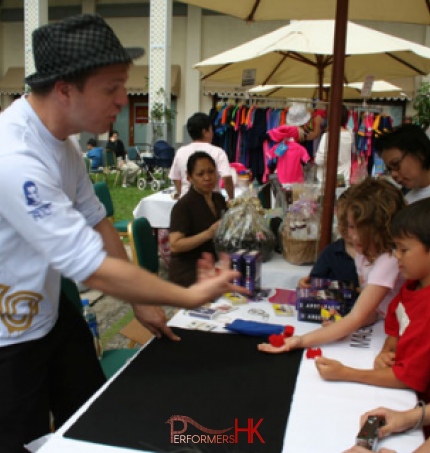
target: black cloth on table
211 378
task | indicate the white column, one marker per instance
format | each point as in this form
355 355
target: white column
88 6
160 29
193 56
35 15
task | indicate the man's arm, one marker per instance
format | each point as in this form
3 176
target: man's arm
153 318
229 186
178 185
122 279
112 242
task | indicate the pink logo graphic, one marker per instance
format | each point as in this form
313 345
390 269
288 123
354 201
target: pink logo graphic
211 436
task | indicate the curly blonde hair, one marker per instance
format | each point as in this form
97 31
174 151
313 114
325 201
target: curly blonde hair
372 204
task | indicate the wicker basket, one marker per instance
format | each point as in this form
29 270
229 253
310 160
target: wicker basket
298 251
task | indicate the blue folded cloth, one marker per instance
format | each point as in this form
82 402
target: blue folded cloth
257 329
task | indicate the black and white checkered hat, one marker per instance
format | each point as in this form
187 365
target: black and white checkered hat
76 44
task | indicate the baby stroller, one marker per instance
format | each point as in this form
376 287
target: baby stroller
146 162
163 154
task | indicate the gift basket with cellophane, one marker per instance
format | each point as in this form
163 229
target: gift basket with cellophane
300 231
245 227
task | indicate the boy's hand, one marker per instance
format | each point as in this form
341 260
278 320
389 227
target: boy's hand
304 282
290 343
330 370
385 359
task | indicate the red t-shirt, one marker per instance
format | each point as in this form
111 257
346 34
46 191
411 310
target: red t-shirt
408 319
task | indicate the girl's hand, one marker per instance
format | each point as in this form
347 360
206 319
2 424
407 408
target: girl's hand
304 282
385 359
289 344
330 370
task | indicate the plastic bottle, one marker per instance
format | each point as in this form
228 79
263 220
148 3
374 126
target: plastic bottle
91 319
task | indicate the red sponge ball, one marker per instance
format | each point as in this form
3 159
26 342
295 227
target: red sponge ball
312 353
276 340
288 331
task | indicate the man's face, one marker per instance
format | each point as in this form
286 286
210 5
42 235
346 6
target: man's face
96 107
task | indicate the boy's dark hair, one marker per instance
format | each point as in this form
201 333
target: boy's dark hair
113 132
92 142
413 221
196 124
410 139
192 160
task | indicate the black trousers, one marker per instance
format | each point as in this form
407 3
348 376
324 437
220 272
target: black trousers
56 373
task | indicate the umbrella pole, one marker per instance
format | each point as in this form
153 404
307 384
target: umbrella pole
334 121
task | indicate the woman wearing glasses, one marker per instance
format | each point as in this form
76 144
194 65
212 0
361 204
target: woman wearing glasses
406 154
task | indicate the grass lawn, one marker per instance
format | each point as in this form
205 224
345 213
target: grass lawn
125 199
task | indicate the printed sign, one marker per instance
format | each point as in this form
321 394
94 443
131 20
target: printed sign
366 91
248 77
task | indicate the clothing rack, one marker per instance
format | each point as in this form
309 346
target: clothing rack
283 102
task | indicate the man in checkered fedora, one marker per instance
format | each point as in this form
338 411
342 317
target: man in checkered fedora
52 224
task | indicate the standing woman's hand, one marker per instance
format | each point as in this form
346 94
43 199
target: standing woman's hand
213 228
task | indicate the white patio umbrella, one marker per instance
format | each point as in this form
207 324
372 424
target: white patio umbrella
409 11
380 88
302 53
285 56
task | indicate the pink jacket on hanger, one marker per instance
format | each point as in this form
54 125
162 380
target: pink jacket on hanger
290 155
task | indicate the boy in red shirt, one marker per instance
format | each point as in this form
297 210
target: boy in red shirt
404 359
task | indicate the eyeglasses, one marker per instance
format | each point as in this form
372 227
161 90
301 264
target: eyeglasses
394 166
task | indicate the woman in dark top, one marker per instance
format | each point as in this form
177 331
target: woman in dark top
195 219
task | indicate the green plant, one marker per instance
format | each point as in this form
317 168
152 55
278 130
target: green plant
422 106
160 114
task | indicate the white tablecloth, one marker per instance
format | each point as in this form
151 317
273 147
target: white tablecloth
278 273
324 415
156 208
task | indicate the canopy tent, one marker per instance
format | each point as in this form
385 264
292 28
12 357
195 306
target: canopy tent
13 81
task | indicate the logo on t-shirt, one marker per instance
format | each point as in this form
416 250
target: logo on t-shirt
32 198
402 318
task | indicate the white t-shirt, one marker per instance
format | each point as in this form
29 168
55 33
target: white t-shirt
384 271
179 166
346 140
417 194
47 213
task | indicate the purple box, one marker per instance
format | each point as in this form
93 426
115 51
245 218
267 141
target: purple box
252 276
238 264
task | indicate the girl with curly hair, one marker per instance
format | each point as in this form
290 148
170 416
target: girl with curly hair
370 206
